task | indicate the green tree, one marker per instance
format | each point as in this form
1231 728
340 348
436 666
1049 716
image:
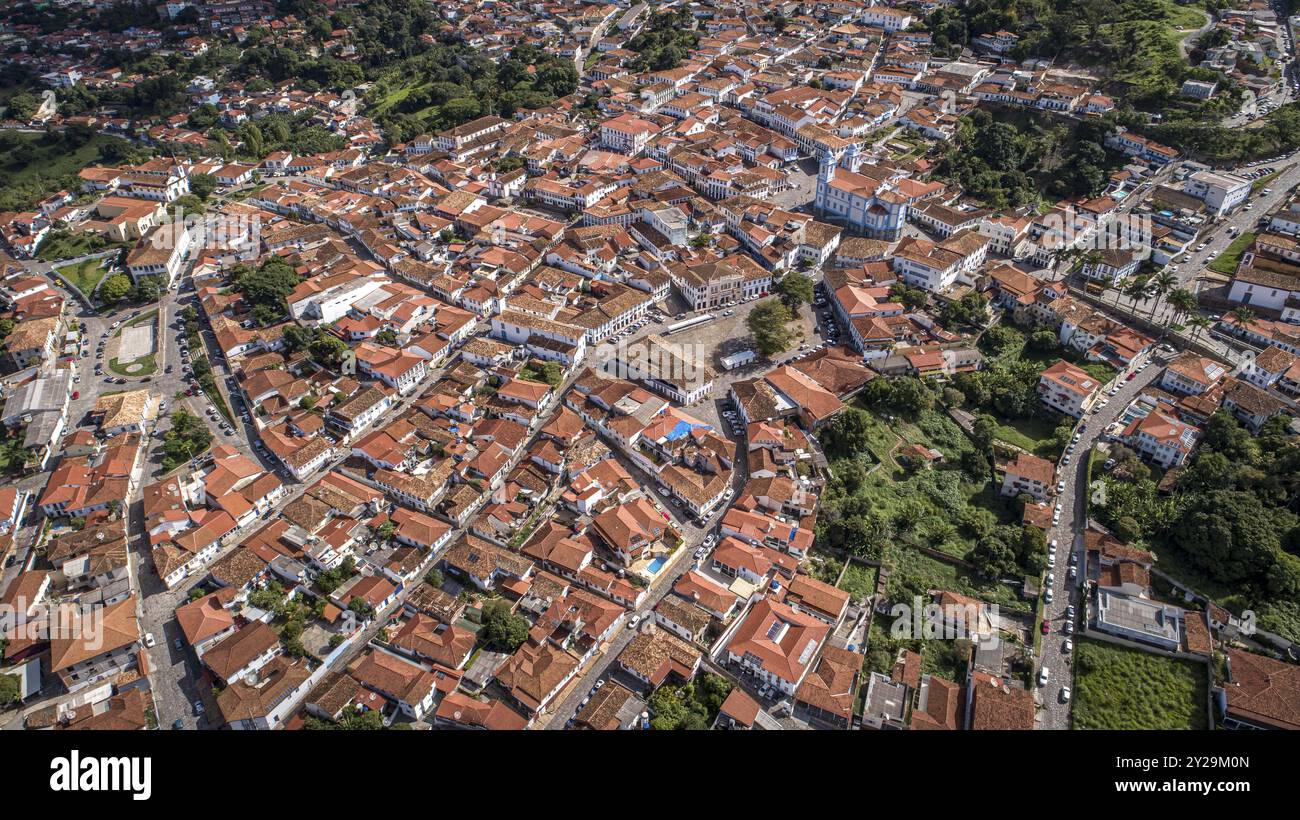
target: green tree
502 627
9 689
768 322
202 185
115 288
794 289
553 374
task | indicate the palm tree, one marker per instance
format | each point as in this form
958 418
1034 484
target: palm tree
1242 316
1135 288
1199 324
1183 302
1162 282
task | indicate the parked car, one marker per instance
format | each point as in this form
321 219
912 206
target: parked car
1043 676
148 640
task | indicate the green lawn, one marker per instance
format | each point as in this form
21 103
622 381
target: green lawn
85 275
1226 262
1119 688
1037 435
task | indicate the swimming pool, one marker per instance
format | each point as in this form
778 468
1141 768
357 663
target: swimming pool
657 564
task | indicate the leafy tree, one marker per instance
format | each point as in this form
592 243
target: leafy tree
911 396
848 433
188 437
1230 535
115 288
202 185
502 627
9 689
553 374
970 309
984 431
147 289
768 324
794 289
269 284
362 609
1043 341
329 350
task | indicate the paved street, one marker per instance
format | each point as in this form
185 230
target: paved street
1069 535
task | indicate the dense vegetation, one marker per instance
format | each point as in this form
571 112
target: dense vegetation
448 85
1135 46
1008 158
950 508
666 39
694 705
1230 528
1118 688
188 437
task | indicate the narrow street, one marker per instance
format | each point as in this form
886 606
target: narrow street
1055 713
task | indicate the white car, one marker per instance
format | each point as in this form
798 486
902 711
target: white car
1068 646
148 640
633 621
1060 487
1043 676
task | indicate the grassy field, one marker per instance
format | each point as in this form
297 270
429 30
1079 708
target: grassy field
1037 435
86 275
1119 688
1226 262
63 245
912 565
38 168
859 581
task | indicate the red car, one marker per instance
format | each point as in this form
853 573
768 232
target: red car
1131 377
76 394
1047 626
